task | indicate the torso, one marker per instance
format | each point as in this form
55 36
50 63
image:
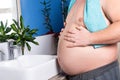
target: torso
82 59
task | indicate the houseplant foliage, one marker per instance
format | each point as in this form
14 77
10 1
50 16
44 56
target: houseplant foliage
64 9
47 20
22 34
46 13
4 32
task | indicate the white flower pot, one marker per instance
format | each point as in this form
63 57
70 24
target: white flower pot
8 51
17 51
5 50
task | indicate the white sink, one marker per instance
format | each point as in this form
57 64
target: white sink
29 67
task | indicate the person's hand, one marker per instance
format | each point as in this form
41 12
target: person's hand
62 30
78 37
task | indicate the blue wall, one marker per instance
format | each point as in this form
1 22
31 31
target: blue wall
32 15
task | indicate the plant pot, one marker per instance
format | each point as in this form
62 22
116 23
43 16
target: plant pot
5 50
47 46
1 56
8 51
17 51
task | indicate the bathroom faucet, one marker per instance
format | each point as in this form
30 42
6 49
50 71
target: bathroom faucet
14 51
11 51
8 51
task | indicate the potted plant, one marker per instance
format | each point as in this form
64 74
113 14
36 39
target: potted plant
64 9
50 37
5 43
22 35
46 14
4 32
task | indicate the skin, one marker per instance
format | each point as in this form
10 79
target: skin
75 53
92 38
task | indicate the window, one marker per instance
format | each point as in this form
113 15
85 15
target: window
8 10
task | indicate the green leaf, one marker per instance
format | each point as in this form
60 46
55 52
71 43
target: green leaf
27 29
13 36
16 23
29 38
14 27
33 31
18 40
2 25
8 30
4 29
28 46
21 22
34 42
22 34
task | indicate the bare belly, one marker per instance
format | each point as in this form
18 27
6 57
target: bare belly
82 59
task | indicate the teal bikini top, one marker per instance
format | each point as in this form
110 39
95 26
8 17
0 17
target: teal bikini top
93 17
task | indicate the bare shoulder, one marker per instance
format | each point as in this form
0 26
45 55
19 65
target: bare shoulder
111 9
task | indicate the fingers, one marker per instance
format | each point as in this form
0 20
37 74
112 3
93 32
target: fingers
65 23
70 32
69 38
61 32
62 29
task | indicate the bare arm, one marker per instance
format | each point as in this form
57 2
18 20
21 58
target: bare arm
112 33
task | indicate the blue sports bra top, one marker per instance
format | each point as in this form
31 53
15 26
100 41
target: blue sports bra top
93 17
